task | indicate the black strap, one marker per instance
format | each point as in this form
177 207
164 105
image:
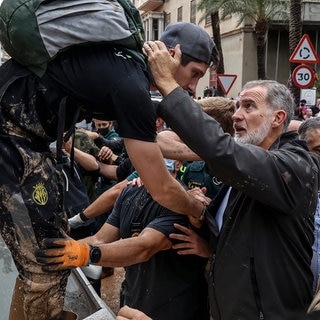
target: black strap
60 131
71 132
61 137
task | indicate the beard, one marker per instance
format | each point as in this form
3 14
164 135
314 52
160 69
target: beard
255 137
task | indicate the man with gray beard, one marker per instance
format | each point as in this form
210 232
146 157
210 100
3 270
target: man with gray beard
261 263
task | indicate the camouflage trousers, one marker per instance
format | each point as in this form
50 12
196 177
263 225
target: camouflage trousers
31 209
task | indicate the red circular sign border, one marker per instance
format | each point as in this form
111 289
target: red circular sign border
295 72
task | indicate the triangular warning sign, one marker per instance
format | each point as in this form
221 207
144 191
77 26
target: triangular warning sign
304 52
226 81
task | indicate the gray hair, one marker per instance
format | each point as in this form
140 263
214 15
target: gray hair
307 126
278 97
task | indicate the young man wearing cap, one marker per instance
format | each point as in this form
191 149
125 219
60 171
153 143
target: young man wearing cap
261 263
198 53
93 79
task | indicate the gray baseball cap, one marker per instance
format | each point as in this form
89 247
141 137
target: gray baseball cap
194 41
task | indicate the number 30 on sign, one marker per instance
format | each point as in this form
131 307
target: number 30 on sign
303 76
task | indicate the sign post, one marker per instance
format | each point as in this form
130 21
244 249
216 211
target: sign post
303 76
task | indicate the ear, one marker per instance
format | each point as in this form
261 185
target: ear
177 165
279 117
172 52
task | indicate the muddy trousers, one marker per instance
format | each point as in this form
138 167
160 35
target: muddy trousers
31 209
16 308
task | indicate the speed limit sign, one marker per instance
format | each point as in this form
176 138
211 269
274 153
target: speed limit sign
303 76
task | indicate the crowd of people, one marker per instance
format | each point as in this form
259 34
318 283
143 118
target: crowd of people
211 205
305 111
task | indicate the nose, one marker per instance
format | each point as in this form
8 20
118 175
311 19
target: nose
238 115
192 86
191 90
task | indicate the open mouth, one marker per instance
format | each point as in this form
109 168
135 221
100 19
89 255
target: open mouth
239 130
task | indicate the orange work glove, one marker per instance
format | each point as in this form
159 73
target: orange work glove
63 254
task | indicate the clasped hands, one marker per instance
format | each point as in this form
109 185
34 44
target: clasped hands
60 254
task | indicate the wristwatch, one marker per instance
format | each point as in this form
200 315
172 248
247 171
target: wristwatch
95 254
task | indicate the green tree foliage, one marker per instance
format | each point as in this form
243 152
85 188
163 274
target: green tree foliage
260 12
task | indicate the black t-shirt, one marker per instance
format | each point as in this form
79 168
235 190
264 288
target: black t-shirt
168 286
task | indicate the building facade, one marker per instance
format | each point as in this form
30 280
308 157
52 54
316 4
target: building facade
238 42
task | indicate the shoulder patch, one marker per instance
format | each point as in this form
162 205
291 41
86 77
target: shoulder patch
40 194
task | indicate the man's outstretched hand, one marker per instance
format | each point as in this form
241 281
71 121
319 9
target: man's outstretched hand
60 254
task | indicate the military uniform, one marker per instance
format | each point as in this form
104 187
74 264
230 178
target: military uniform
198 175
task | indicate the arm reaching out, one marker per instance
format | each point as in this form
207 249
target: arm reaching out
172 149
63 254
60 254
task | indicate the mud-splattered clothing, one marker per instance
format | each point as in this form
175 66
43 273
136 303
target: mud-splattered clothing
30 192
31 205
31 209
262 260
83 142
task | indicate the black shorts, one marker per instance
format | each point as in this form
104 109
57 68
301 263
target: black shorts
108 81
